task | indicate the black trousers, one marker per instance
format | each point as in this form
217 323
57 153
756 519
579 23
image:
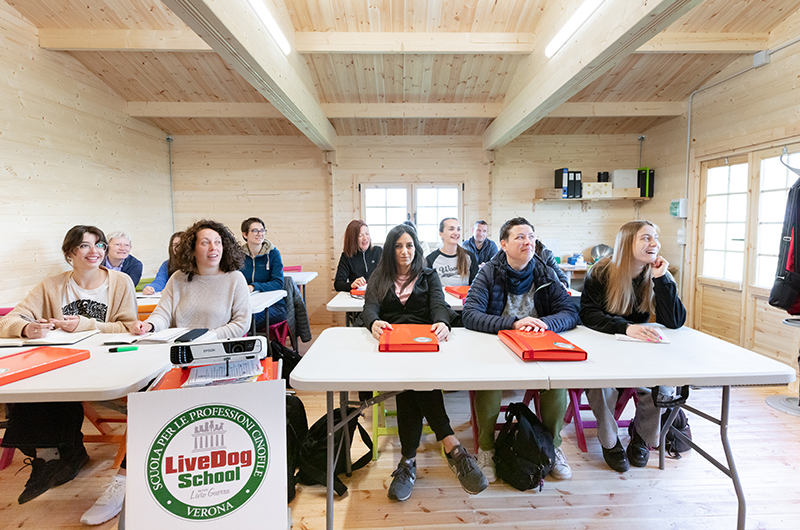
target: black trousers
412 407
32 425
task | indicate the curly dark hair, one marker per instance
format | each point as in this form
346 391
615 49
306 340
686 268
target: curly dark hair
232 253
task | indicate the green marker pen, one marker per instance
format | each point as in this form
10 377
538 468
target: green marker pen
123 348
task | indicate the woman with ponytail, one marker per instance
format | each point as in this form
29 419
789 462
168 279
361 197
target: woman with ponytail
454 265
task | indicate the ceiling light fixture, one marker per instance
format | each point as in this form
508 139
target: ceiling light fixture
272 26
573 24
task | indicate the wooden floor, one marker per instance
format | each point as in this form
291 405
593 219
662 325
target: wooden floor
689 494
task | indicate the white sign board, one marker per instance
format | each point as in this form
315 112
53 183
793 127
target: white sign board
210 457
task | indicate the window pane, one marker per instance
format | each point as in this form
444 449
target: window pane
715 236
429 233
374 197
769 238
772 207
448 212
396 197
773 174
378 234
717 180
448 197
376 216
734 266
717 208
737 208
736 237
426 197
428 216
765 270
713 263
738 182
395 216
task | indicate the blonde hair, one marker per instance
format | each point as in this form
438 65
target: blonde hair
462 259
621 298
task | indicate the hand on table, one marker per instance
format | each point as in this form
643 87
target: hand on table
69 324
378 326
530 324
138 327
441 331
148 290
37 329
358 283
645 333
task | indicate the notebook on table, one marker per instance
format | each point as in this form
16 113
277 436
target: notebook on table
37 361
541 346
53 338
408 338
459 292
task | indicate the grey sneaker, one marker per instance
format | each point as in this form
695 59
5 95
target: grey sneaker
467 471
486 463
561 469
403 481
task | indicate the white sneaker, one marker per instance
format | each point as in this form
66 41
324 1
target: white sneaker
561 469
109 504
486 464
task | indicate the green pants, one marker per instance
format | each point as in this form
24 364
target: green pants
553 405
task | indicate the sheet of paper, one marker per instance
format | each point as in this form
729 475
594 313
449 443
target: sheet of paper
217 373
53 338
625 338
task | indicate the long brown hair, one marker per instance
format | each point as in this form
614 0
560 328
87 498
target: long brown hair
232 253
462 259
617 270
172 264
351 237
385 274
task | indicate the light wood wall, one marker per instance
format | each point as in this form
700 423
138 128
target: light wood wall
70 155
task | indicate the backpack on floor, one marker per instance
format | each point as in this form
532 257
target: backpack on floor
296 432
524 452
673 445
314 451
290 359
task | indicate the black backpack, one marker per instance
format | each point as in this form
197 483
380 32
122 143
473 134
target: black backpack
524 452
785 292
673 445
289 356
314 451
296 432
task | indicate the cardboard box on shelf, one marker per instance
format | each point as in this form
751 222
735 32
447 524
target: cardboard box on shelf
549 193
596 190
627 193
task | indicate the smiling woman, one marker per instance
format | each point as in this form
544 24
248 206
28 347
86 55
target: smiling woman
119 256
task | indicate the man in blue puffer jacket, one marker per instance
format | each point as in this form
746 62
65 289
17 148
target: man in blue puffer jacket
517 290
262 269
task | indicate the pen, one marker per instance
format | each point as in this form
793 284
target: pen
123 348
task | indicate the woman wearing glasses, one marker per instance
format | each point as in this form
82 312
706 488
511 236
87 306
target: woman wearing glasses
263 268
87 297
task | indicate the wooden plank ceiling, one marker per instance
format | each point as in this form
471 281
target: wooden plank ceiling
403 67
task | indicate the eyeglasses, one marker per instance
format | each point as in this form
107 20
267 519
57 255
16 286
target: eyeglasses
84 247
256 231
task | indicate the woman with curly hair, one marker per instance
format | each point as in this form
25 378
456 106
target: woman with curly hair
207 291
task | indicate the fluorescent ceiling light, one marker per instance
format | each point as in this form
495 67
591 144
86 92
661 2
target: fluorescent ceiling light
272 26
573 24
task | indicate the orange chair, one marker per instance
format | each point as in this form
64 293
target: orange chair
146 310
529 394
575 407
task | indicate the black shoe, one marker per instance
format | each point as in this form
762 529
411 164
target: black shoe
73 462
43 477
404 477
616 458
638 451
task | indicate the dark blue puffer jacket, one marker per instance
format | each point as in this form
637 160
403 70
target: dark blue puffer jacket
487 297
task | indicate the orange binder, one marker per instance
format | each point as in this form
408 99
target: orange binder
37 361
459 292
408 338
541 346
358 292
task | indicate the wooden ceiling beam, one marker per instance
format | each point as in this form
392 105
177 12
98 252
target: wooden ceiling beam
627 109
412 110
121 40
158 109
541 85
234 31
416 43
706 43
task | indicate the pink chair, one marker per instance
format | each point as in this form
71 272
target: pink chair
293 268
575 407
280 331
529 394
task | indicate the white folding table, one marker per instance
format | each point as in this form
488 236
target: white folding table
353 305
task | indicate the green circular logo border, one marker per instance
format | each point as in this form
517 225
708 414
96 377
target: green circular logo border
169 502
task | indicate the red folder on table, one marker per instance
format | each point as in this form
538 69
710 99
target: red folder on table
541 346
37 361
408 337
459 291
358 292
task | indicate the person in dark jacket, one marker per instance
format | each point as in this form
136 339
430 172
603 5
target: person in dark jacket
118 257
619 294
516 290
549 259
359 258
480 244
403 291
263 268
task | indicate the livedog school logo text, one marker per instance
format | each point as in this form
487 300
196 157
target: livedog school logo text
207 462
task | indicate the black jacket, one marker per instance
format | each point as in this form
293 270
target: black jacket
361 264
669 309
425 304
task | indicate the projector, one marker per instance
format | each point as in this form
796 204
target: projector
218 351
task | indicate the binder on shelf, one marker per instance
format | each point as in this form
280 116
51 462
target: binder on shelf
571 185
562 180
408 338
37 361
644 181
459 292
541 346
578 185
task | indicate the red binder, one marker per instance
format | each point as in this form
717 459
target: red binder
37 361
409 338
541 346
459 292
358 292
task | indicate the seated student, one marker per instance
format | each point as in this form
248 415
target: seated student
454 265
359 258
402 291
166 269
516 290
87 297
619 294
480 244
547 256
205 292
262 269
119 257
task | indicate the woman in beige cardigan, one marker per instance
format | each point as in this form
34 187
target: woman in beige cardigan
85 298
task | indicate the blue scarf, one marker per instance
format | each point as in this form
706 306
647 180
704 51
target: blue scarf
519 282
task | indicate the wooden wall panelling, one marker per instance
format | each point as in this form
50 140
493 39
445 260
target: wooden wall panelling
71 155
721 311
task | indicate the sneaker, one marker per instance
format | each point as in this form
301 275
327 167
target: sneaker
486 463
466 469
43 477
616 458
109 504
560 470
72 465
403 481
638 451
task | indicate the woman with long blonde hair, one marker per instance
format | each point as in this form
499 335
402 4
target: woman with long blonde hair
619 295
